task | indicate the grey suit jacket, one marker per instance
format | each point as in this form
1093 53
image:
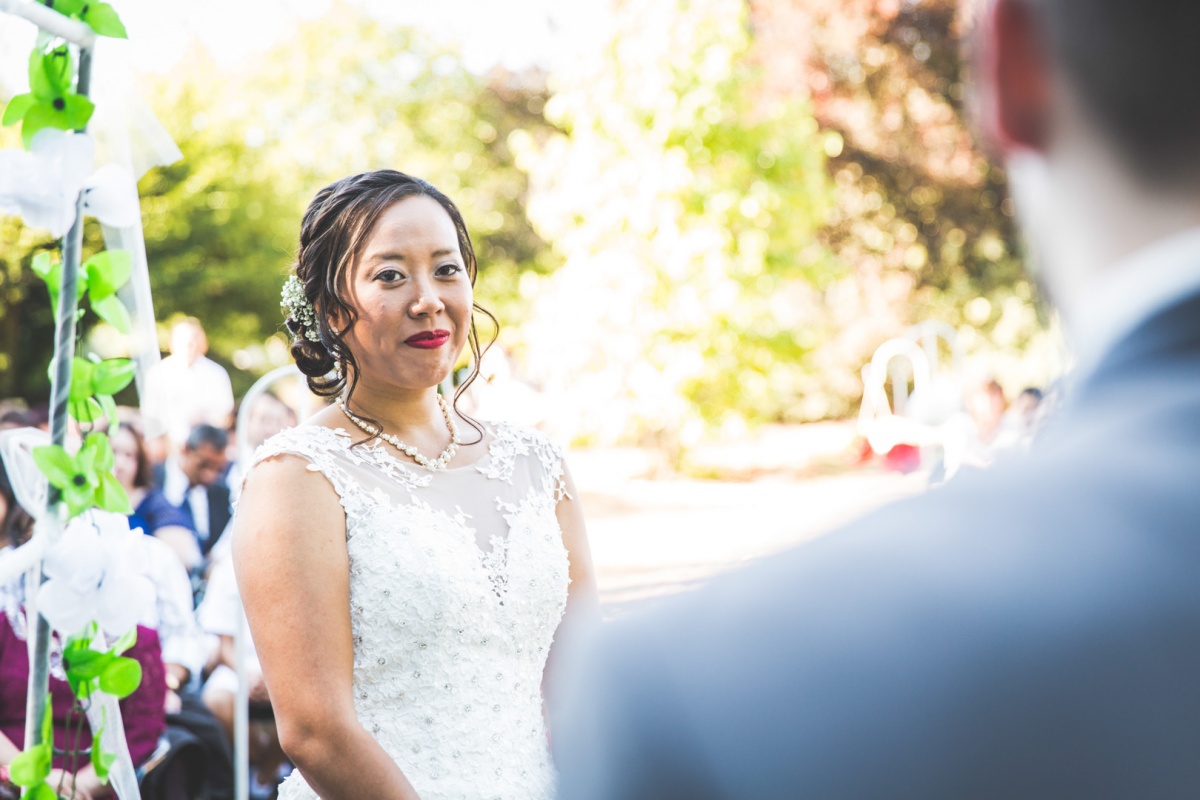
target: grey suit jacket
1030 631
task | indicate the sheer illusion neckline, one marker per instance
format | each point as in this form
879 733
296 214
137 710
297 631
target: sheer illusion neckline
379 449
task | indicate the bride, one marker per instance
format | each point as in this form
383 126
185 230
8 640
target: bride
403 582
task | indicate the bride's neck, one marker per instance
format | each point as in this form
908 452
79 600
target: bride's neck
397 410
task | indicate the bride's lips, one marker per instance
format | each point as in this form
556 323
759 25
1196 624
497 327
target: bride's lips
428 340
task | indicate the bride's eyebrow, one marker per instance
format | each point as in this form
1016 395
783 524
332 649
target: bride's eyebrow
376 258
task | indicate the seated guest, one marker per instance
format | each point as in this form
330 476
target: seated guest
141 712
266 416
219 615
192 483
185 649
152 512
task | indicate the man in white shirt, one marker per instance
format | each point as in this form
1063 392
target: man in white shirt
186 389
192 481
1028 632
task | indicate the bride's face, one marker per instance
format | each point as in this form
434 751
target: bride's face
413 297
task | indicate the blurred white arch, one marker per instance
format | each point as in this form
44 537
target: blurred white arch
245 452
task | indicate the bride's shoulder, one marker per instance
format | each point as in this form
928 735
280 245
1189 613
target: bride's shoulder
312 442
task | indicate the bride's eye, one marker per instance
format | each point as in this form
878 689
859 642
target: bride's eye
446 270
389 275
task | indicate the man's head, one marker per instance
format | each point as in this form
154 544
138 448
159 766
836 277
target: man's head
188 340
203 456
1090 104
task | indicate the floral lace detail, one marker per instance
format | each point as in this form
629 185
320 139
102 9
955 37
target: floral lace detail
458 581
512 442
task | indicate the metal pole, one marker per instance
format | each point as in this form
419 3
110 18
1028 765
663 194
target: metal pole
60 390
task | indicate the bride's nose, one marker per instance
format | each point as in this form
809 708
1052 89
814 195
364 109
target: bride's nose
427 302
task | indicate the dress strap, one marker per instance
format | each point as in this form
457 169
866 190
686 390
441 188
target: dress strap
324 449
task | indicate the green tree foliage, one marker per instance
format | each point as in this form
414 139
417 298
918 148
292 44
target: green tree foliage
347 94
687 217
921 222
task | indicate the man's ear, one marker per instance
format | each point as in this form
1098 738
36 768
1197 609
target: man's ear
1016 76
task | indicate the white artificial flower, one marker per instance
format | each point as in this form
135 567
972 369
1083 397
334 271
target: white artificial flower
42 185
96 572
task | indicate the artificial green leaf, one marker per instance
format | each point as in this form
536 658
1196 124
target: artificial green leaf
52 274
55 463
82 371
127 640
109 407
121 677
113 311
108 271
42 115
101 761
17 107
30 767
48 722
84 669
39 84
111 495
85 461
112 375
78 111
104 20
104 458
68 8
86 411
50 73
41 265
43 791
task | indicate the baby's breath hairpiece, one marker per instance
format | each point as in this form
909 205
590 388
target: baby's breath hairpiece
298 307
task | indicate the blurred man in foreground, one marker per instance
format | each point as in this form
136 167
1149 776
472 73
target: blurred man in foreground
1033 631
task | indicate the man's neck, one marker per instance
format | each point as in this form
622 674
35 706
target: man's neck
1085 216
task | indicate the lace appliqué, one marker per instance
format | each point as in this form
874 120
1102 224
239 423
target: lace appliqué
327 449
510 442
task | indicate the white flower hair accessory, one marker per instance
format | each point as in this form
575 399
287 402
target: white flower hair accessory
298 307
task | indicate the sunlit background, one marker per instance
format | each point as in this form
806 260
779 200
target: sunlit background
696 221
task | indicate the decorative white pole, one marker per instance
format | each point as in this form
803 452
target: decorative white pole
49 20
60 383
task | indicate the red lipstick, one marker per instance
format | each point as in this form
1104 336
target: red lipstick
428 340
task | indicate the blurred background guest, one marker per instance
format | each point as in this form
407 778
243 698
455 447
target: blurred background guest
152 511
193 482
185 389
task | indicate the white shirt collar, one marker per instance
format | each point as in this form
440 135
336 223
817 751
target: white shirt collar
1125 296
175 482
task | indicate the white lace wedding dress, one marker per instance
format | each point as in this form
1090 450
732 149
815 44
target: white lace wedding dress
458 581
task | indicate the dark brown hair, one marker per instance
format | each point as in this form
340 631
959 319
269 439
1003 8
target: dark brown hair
17 524
1133 64
334 232
144 476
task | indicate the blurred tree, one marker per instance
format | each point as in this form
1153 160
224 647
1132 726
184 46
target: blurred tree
922 220
352 94
687 218
347 94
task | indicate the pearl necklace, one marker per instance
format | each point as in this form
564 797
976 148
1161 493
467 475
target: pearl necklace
436 464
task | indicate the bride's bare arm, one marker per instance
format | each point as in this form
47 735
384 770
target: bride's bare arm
583 603
289 551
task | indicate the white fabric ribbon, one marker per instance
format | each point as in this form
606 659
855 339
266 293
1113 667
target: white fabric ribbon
96 572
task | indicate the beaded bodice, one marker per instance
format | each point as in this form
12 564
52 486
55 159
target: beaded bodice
458 581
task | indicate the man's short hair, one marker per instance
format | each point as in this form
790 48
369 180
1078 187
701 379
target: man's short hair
205 434
1133 65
